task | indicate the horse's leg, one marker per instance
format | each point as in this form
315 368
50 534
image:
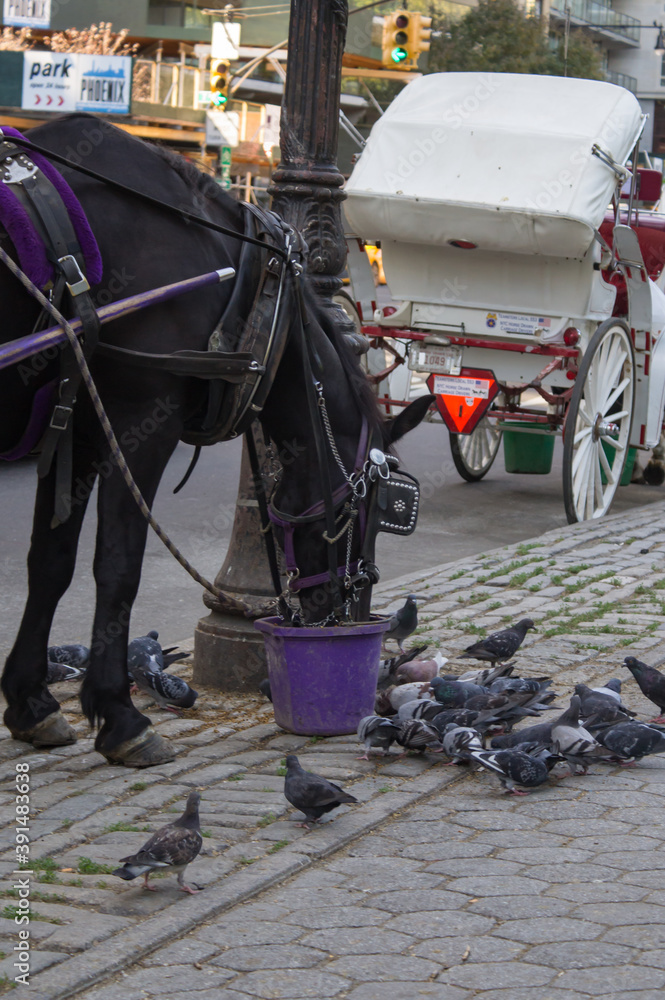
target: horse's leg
33 714
125 736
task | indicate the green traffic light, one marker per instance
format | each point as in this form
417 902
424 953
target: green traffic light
219 100
398 55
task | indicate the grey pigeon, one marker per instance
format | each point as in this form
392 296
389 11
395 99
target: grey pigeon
598 701
572 740
611 688
376 731
404 622
459 741
485 676
57 672
74 655
167 690
540 733
171 848
632 740
264 688
514 767
416 734
418 708
311 793
147 653
651 683
499 646
451 693
402 693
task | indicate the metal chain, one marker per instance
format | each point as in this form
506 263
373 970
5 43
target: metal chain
329 434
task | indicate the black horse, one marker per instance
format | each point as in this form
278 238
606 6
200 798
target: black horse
143 247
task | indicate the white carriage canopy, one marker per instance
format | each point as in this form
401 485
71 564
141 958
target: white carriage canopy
503 161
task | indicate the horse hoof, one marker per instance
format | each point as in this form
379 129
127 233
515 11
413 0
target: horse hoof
145 750
53 731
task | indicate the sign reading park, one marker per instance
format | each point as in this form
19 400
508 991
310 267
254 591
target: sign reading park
27 13
74 81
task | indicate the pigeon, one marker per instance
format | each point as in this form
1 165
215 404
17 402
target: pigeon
389 667
632 740
459 716
167 690
171 848
376 731
407 692
541 733
485 676
418 708
74 655
416 734
264 688
597 701
311 793
146 652
459 741
451 693
404 622
514 767
572 741
420 670
651 683
499 646
57 672
612 689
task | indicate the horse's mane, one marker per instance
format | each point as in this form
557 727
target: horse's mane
357 380
201 182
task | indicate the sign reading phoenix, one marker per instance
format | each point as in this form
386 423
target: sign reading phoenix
76 82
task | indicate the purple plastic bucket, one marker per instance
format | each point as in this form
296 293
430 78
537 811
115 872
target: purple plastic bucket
322 680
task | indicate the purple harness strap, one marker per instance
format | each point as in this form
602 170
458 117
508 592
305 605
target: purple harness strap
42 404
317 509
29 246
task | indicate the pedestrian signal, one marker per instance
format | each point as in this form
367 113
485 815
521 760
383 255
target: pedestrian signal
220 78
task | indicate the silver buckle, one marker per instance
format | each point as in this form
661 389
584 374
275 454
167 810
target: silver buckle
81 284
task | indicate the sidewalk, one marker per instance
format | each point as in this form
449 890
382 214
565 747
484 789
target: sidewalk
436 885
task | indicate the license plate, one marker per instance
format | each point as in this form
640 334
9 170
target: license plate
444 360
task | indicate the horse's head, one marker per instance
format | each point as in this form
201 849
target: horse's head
349 427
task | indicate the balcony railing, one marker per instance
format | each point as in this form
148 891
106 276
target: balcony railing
621 80
598 13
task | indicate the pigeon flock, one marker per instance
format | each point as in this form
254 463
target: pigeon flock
147 663
469 718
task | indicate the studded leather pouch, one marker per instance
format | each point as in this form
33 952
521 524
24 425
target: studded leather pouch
398 497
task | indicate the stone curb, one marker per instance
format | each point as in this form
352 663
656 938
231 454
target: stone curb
124 949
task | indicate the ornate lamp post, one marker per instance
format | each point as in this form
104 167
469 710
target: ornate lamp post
307 191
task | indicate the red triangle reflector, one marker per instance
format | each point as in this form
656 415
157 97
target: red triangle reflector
464 399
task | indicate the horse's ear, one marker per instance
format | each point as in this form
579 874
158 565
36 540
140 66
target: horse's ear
409 418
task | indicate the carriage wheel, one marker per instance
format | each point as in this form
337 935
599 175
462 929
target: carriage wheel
474 453
597 426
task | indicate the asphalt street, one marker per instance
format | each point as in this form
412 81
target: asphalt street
456 519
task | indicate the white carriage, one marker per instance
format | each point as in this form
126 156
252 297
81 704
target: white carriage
514 232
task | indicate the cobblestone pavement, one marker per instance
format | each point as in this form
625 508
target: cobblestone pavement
435 886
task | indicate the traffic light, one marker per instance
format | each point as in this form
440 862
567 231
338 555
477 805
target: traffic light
405 35
419 35
220 78
395 39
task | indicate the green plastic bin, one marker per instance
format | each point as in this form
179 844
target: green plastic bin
627 473
527 448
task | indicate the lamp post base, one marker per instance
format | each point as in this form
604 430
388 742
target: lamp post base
229 654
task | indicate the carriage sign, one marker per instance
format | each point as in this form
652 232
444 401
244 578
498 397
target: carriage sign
74 81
